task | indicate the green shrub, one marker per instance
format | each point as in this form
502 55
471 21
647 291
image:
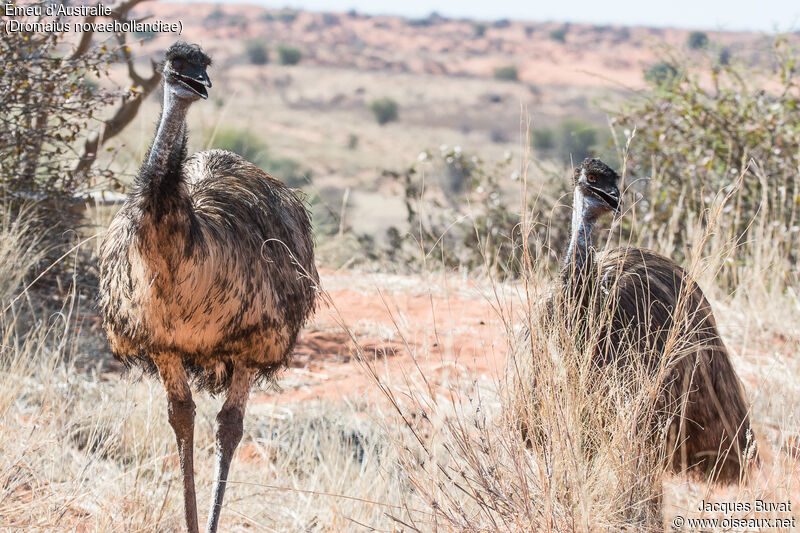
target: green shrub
215 17
695 139
257 52
543 139
248 145
697 40
289 55
577 140
242 142
506 73
384 109
572 141
662 73
478 29
559 35
725 56
287 16
460 213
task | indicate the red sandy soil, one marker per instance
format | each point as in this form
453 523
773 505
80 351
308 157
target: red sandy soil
447 334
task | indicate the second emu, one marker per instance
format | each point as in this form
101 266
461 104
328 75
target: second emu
652 313
206 271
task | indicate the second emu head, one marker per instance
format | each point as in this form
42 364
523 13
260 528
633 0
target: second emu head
185 71
598 184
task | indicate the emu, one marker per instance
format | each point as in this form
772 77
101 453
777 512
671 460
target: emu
656 311
206 273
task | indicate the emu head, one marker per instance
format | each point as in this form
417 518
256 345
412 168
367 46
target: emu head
185 71
598 184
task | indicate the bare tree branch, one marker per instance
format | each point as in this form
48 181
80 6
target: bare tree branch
128 107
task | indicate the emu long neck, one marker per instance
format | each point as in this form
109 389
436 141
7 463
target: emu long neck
171 131
580 252
160 176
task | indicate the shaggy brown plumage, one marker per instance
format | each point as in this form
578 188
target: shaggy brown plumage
226 274
206 271
653 314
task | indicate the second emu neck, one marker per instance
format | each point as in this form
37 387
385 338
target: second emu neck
580 250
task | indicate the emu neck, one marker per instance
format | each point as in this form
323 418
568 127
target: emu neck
161 174
171 130
580 251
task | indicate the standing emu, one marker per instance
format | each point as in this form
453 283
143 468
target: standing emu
652 313
207 271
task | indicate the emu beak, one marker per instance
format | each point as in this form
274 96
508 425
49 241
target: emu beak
611 198
195 80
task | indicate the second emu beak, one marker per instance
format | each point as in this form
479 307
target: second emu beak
610 197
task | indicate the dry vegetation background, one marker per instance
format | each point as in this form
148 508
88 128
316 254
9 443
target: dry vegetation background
438 233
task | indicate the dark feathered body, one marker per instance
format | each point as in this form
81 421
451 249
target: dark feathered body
649 308
212 263
647 317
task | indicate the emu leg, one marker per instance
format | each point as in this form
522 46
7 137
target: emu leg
229 433
180 408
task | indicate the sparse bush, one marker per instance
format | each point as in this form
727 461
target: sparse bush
236 20
329 20
578 140
352 141
663 73
543 138
697 40
431 20
622 35
242 142
506 73
559 35
257 52
501 24
384 109
289 55
248 145
478 29
497 135
694 141
216 16
725 56
49 101
571 141
459 213
287 16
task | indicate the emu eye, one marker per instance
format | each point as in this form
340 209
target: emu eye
591 178
177 63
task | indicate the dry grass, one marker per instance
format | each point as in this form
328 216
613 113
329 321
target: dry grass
87 451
